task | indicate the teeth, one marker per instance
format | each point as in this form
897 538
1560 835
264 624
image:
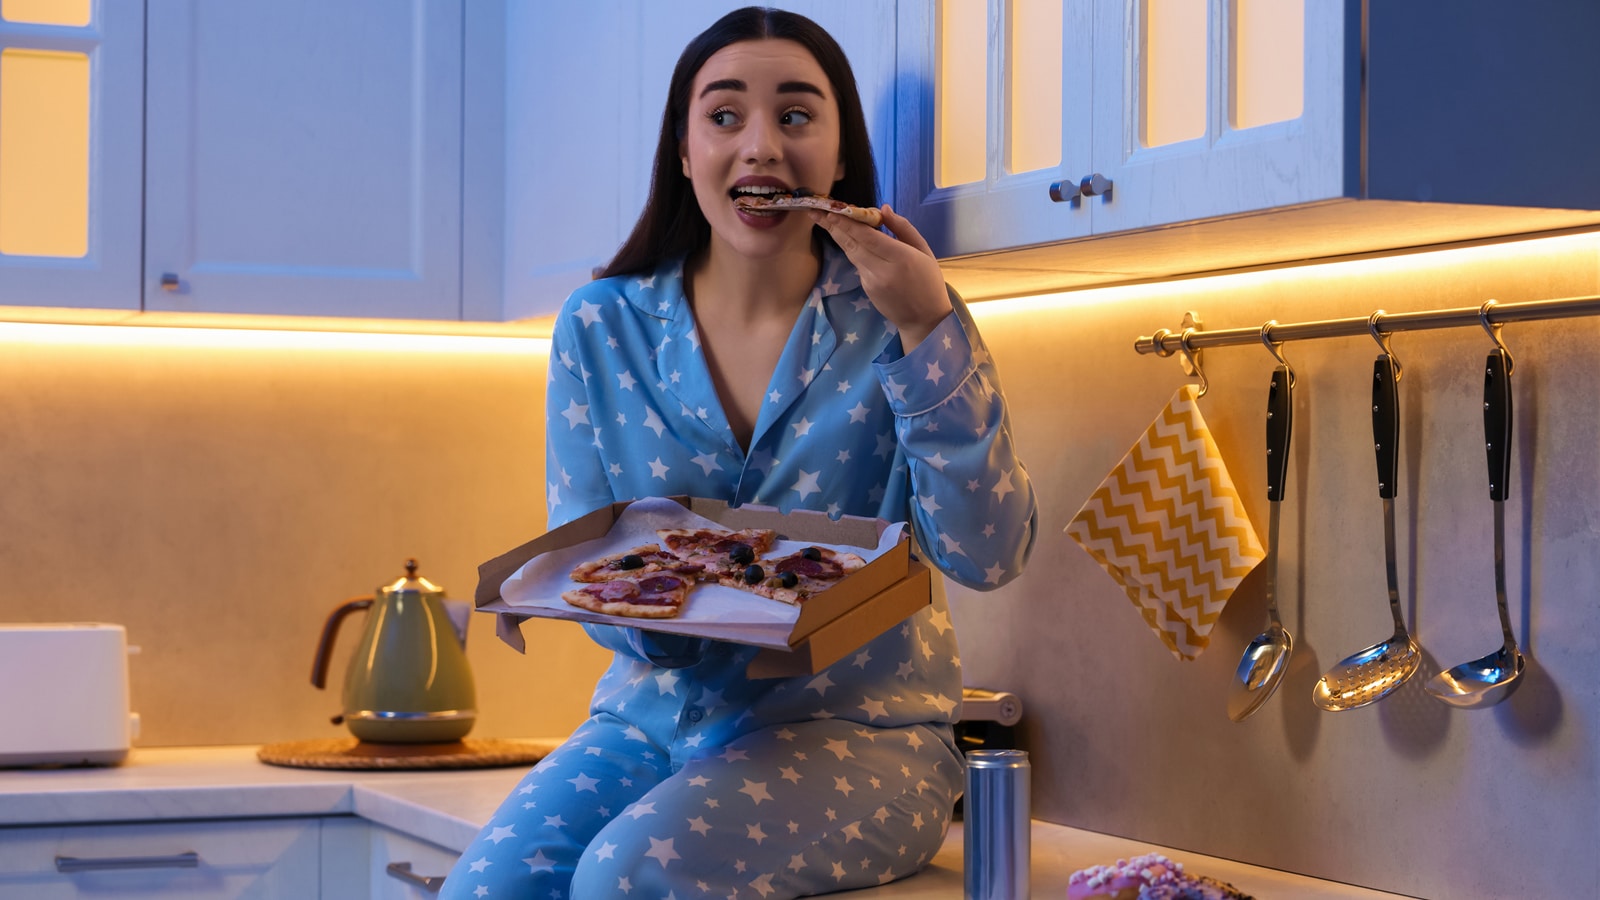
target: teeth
759 190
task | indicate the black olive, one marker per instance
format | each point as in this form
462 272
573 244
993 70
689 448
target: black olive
788 579
753 575
631 561
811 553
742 554
801 192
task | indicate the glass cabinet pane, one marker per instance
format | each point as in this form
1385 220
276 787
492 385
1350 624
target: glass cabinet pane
1173 74
962 91
44 153
1034 91
46 12
1269 41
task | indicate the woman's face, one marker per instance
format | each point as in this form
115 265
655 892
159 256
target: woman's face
762 116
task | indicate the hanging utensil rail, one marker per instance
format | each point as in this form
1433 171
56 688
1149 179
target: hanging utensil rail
1166 343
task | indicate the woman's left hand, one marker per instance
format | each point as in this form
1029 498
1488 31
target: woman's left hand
898 271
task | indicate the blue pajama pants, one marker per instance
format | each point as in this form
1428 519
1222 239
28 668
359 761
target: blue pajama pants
786 811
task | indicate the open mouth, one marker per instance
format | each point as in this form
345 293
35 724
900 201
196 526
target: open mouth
754 198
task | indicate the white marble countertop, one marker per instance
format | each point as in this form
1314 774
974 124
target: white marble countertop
448 808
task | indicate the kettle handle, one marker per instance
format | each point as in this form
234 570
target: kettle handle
330 629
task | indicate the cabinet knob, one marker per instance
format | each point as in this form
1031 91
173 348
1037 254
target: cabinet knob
1063 191
1094 185
169 282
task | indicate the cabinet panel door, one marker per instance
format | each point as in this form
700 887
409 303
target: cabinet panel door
1223 169
236 859
304 157
70 151
965 210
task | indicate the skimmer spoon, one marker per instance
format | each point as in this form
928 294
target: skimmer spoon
1265 659
1490 679
1369 675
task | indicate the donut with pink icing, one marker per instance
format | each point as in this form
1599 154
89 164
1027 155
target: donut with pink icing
1148 877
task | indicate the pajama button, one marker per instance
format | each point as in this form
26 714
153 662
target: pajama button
695 714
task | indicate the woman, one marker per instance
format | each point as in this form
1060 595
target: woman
795 360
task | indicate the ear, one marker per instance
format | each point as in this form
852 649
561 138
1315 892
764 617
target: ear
683 157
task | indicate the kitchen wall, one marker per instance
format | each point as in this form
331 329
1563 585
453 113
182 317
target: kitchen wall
220 495
220 492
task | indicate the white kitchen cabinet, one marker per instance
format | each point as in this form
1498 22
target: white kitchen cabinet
365 859
304 157
579 147
1267 131
71 91
242 859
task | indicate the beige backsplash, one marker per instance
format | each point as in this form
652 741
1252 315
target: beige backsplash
221 501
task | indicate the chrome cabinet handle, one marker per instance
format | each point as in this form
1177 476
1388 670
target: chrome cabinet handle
1094 185
1062 191
429 883
189 860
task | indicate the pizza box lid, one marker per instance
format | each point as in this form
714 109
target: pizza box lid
887 584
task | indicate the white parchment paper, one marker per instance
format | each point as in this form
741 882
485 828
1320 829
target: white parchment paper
712 611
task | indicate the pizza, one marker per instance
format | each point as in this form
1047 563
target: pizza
719 552
863 214
647 559
654 596
796 577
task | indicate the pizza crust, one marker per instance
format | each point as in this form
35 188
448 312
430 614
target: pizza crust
866 215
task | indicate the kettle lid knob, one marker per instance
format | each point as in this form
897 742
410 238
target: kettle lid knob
412 582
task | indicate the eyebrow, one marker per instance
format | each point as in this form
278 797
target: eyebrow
786 87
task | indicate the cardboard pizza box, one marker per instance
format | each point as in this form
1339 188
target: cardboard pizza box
829 625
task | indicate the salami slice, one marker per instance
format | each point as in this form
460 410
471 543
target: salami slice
796 577
719 552
647 559
651 596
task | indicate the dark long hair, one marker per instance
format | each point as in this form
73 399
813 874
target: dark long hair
672 223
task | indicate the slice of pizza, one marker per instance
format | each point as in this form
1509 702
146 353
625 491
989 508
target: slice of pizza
656 596
796 577
646 559
719 552
866 215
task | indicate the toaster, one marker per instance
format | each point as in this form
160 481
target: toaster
64 694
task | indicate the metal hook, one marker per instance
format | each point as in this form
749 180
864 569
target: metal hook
1383 340
1494 333
1193 356
1273 348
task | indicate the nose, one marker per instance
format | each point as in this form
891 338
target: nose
763 142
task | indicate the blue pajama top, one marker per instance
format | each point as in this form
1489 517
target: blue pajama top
850 426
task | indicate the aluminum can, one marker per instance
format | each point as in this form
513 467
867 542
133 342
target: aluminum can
998 826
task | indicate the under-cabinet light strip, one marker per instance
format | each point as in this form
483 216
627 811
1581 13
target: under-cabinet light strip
1166 343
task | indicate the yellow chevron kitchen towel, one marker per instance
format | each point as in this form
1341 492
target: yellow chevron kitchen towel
1168 525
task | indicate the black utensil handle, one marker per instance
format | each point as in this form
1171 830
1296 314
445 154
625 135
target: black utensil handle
1280 421
1386 424
1497 423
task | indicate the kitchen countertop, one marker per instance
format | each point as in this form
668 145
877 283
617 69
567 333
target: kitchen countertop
448 808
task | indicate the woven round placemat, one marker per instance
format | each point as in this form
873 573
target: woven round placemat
349 753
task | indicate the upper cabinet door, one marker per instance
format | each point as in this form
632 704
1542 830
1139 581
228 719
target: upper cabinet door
1207 108
995 121
304 157
71 105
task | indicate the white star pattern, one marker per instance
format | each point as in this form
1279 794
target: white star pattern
807 484
576 414
588 312
539 863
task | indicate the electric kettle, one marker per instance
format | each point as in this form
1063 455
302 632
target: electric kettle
408 680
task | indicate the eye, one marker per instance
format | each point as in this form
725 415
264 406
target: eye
796 116
722 117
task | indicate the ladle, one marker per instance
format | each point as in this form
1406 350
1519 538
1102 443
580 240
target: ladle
1265 659
1490 679
1370 675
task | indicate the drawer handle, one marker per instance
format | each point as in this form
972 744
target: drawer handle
429 883
190 860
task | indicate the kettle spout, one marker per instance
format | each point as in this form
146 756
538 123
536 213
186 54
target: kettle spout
460 613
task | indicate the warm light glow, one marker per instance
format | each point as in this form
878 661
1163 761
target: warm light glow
1268 61
1580 249
1034 111
1173 88
961 91
47 12
242 339
44 153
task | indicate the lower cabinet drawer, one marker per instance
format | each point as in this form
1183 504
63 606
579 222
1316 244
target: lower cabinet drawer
404 868
239 859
